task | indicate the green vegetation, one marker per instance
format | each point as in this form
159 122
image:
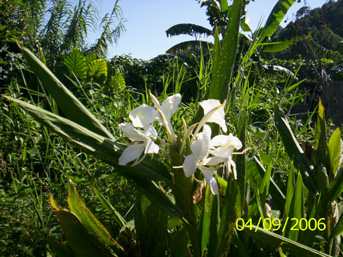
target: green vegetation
169 157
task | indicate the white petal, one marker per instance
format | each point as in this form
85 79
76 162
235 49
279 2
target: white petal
170 105
219 140
209 105
131 132
207 132
151 132
201 145
213 185
235 142
142 116
217 116
151 147
213 161
223 146
189 165
210 179
131 153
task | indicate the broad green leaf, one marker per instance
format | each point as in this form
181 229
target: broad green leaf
294 151
334 147
225 54
71 107
276 47
224 6
273 240
276 16
321 153
79 239
98 68
88 220
76 64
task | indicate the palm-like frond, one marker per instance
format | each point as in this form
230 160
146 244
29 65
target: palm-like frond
34 12
81 18
112 27
193 30
52 34
191 46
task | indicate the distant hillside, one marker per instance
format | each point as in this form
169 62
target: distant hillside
319 54
322 29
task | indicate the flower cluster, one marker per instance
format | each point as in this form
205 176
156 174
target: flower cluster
207 153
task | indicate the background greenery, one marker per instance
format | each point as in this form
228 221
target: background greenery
34 162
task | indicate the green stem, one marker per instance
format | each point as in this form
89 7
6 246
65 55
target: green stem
183 191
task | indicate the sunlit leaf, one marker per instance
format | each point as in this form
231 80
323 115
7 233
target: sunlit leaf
334 147
71 107
276 16
225 54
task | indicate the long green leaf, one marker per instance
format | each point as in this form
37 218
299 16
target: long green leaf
334 147
338 230
225 55
106 203
206 220
294 151
297 210
276 16
71 107
88 220
79 239
275 240
336 186
276 47
275 189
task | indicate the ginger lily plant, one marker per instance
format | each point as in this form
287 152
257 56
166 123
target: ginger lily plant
208 155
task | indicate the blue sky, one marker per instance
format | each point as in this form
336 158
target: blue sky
147 21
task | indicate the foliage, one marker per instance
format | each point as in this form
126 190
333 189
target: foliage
288 168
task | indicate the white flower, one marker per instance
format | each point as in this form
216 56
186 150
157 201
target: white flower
166 110
142 133
208 154
143 116
198 159
142 143
222 148
214 112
